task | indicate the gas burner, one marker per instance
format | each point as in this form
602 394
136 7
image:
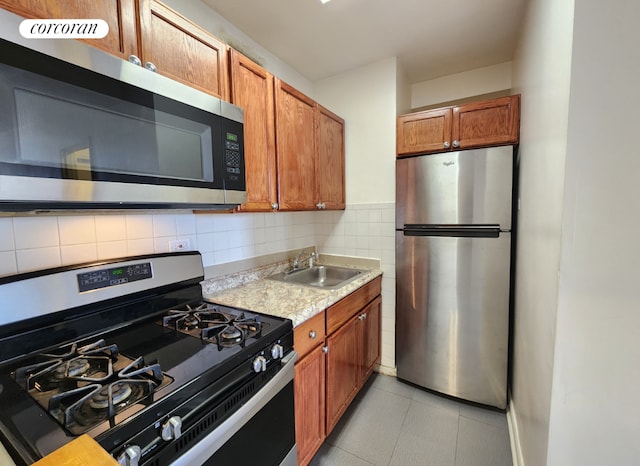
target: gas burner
114 393
81 386
74 368
212 324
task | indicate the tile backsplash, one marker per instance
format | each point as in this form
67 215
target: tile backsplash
366 230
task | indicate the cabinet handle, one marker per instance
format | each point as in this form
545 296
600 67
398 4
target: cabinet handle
312 334
135 60
325 349
319 205
324 206
456 143
446 144
362 316
150 66
275 206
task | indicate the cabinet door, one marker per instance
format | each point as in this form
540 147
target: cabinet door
343 371
309 392
181 50
295 148
252 89
120 15
370 337
423 132
488 123
330 163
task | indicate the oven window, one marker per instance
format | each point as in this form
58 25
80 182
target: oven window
266 439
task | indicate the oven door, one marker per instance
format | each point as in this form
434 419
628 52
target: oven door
260 433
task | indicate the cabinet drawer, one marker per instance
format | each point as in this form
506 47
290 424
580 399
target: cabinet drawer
308 335
348 306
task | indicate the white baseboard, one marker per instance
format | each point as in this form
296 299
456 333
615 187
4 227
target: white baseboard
514 436
386 370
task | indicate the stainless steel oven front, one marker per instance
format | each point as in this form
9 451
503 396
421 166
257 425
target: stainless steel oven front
260 433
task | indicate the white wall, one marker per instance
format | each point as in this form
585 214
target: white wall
595 408
366 99
461 85
541 75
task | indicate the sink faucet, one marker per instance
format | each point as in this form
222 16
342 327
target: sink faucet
298 262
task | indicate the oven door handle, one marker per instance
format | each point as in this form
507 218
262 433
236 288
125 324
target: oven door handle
202 450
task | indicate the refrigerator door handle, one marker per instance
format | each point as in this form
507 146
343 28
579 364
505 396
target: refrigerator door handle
462 231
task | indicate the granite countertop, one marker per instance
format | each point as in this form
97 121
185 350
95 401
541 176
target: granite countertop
255 292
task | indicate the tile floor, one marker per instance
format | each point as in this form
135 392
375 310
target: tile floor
391 423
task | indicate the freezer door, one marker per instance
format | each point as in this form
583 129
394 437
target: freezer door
452 315
466 187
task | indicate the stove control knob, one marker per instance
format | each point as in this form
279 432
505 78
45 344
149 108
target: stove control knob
277 351
172 429
260 364
131 456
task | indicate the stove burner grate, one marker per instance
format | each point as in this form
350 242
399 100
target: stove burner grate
211 324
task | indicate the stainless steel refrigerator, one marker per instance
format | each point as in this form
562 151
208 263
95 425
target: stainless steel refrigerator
453 260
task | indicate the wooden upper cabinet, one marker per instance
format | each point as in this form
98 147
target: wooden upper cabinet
330 163
487 123
120 15
181 50
422 132
295 148
480 124
252 89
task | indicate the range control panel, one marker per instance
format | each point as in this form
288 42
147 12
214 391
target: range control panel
113 276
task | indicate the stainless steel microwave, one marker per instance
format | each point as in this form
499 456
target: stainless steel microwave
80 128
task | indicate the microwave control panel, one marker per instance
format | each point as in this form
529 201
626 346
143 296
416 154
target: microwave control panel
234 175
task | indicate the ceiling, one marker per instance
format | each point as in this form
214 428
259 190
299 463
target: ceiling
430 38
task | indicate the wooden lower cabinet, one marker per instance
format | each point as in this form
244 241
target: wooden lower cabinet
309 393
329 376
369 332
343 371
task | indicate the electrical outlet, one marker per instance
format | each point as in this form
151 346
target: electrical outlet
180 245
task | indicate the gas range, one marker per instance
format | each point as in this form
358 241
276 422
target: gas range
127 352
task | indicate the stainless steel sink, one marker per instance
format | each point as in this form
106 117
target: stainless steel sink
319 276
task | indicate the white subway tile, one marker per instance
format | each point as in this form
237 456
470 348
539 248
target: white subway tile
208 259
375 216
35 232
204 223
6 236
186 224
37 258
139 246
76 230
78 253
8 265
111 249
206 242
162 244
139 227
164 225
220 241
111 228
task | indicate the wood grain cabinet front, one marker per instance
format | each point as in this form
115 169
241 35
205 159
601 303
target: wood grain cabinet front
120 15
181 50
148 33
333 368
479 124
252 90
